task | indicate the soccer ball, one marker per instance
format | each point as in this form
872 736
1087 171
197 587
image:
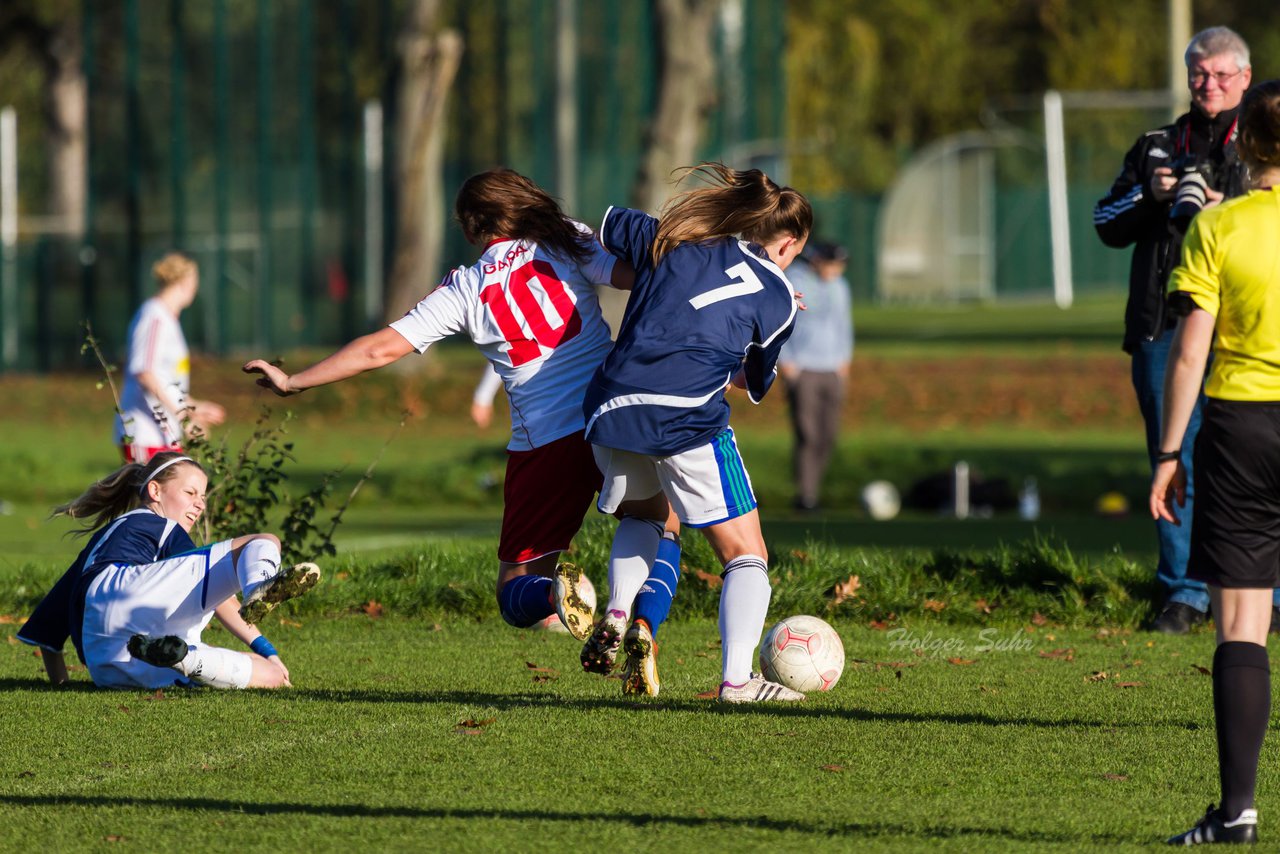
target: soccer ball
880 500
804 653
552 623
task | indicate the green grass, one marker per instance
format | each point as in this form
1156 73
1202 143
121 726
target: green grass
1003 750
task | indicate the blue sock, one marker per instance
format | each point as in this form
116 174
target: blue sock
653 602
526 599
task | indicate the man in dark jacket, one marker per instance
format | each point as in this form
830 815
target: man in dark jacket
1167 175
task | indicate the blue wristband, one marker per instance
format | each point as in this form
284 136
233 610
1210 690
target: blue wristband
263 647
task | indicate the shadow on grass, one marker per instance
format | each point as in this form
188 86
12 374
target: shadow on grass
517 701
643 819
510 701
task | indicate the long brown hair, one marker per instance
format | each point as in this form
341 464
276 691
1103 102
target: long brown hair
503 203
1259 142
734 202
120 491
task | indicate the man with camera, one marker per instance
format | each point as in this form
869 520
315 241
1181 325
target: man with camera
1169 175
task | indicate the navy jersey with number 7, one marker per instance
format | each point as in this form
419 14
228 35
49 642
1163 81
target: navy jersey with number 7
705 312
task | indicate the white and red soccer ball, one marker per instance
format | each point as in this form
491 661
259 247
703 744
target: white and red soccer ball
804 653
588 591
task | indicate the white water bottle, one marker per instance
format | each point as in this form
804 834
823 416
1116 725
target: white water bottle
1029 500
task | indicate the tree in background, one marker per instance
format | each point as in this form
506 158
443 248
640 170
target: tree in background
49 31
429 60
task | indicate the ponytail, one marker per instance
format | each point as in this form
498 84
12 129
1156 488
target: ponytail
744 203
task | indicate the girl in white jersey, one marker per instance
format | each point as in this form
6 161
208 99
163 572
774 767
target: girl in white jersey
155 402
137 598
530 305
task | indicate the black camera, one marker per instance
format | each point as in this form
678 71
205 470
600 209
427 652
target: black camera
1191 192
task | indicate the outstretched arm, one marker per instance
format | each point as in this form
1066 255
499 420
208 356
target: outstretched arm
363 354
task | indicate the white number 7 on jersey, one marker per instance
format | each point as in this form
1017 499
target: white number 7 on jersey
744 283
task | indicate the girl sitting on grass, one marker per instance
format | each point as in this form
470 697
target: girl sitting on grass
137 598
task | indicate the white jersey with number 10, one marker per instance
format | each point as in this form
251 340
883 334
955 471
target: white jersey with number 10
537 319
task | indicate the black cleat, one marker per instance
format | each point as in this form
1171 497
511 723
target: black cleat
158 652
1177 618
1213 829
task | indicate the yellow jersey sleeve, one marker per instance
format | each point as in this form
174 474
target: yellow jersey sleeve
1199 273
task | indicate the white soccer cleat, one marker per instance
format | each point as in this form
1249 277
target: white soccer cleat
640 673
600 652
286 585
757 689
574 611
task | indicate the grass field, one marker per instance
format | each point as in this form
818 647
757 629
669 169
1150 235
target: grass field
400 736
1000 694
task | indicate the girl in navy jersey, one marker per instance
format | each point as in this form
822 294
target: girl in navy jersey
529 303
140 593
710 307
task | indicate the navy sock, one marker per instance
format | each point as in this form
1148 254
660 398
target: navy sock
1242 707
653 602
526 599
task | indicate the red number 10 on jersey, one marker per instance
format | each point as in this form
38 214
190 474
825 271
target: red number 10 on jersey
548 333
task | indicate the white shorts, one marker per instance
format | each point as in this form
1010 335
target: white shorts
171 597
706 485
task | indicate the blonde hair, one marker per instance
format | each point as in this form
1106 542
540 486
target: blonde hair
744 203
121 491
171 268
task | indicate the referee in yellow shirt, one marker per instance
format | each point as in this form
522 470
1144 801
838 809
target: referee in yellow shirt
1227 291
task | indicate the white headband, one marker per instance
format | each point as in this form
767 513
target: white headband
161 468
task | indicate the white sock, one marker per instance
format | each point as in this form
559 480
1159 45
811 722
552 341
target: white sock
635 546
744 604
216 667
259 562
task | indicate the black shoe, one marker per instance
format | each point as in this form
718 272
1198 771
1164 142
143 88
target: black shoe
1177 618
158 652
1211 828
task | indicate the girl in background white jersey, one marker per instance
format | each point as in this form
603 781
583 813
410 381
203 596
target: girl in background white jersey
530 305
157 380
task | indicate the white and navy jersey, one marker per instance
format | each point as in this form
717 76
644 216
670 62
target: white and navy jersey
156 346
537 319
707 311
139 537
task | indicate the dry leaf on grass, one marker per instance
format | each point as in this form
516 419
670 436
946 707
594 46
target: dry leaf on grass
846 590
962 662
934 605
373 608
1206 671
712 581
1130 684
158 695
1068 654
6 619
1120 778
713 694
835 769
1038 619
1096 676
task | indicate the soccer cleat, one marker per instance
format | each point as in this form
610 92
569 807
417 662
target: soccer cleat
286 585
1211 828
757 689
575 613
640 673
601 649
158 652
